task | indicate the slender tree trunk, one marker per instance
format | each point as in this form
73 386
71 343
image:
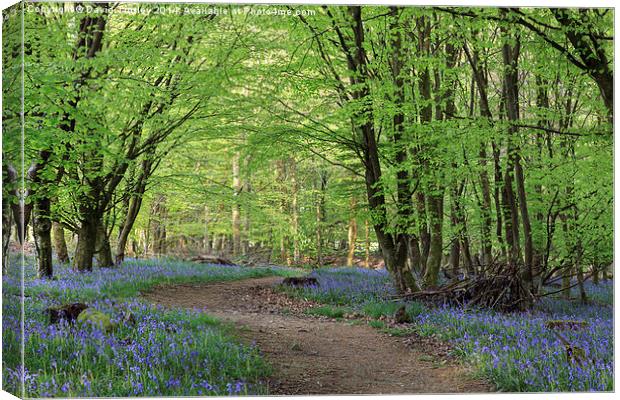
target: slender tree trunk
42 228
206 241
583 296
455 248
60 243
133 209
132 213
217 244
511 86
245 245
497 196
486 208
295 211
596 272
7 225
352 234
320 215
284 255
424 233
435 208
158 225
236 207
510 55
42 223
367 244
567 271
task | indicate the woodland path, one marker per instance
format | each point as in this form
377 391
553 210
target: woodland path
320 356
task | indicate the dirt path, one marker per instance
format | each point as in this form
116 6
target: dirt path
314 356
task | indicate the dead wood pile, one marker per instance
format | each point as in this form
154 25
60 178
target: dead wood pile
499 288
211 259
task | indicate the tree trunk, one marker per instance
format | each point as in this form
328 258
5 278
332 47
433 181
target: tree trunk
566 282
7 225
132 213
60 243
485 210
352 234
424 233
245 243
455 248
42 229
596 273
295 210
86 244
158 225
236 207
435 208
511 87
320 214
284 257
206 241
367 244
104 252
579 269
497 197
510 56
217 244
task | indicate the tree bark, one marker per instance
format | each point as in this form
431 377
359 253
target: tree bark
42 223
60 244
352 234
104 252
320 215
367 244
435 208
86 244
7 225
42 227
158 225
133 208
206 241
10 213
132 213
236 207
245 242
295 211
510 55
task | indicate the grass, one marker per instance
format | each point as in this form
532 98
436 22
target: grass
165 353
516 352
329 311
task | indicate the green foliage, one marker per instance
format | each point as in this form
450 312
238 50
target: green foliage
377 310
328 311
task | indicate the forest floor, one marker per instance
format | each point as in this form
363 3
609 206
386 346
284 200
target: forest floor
321 355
